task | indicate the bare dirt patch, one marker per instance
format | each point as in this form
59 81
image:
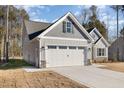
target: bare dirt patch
18 78
115 66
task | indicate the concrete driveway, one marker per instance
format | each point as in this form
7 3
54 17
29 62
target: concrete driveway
92 76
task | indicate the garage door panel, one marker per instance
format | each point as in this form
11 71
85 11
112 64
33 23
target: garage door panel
64 57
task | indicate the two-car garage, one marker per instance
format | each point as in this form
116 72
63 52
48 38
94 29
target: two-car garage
62 43
61 55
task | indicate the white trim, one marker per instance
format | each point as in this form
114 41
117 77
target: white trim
81 27
101 52
96 31
74 19
105 41
68 27
101 37
55 24
92 30
60 38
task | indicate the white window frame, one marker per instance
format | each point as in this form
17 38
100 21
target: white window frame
52 47
68 27
62 47
72 47
101 52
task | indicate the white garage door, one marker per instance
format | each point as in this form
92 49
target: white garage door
64 56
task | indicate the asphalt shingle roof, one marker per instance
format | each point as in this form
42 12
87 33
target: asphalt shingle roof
89 30
35 28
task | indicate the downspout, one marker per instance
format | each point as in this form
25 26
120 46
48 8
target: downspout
92 52
39 53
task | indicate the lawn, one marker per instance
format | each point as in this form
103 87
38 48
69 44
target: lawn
14 63
13 76
115 66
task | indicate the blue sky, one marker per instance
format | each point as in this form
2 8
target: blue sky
51 13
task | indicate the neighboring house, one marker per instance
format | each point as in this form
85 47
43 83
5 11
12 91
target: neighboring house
116 50
100 46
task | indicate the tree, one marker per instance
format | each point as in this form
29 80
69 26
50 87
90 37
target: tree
15 23
16 20
1 36
84 16
117 8
2 30
93 16
93 21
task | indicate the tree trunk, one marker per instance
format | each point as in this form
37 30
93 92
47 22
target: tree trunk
4 48
117 33
21 34
7 43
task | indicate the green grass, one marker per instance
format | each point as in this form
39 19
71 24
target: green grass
14 63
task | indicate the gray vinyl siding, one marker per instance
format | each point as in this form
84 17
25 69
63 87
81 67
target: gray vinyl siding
113 50
58 32
100 44
30 49
30 52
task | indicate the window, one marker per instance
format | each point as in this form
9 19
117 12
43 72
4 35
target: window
51 47
80 47
67 27
72 47
100 52
62 47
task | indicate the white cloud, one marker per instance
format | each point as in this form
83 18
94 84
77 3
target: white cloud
33 13
29 7
113 26
83 6
101 6
114 22
39 20
41 6
79 6
55 20
87 6
121 21
77 13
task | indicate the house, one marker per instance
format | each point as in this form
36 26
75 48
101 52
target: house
116 50
62 43
100 45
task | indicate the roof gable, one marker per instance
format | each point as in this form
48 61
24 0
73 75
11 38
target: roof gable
39 29
100 36
57 31
101 44
61 19
101 40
